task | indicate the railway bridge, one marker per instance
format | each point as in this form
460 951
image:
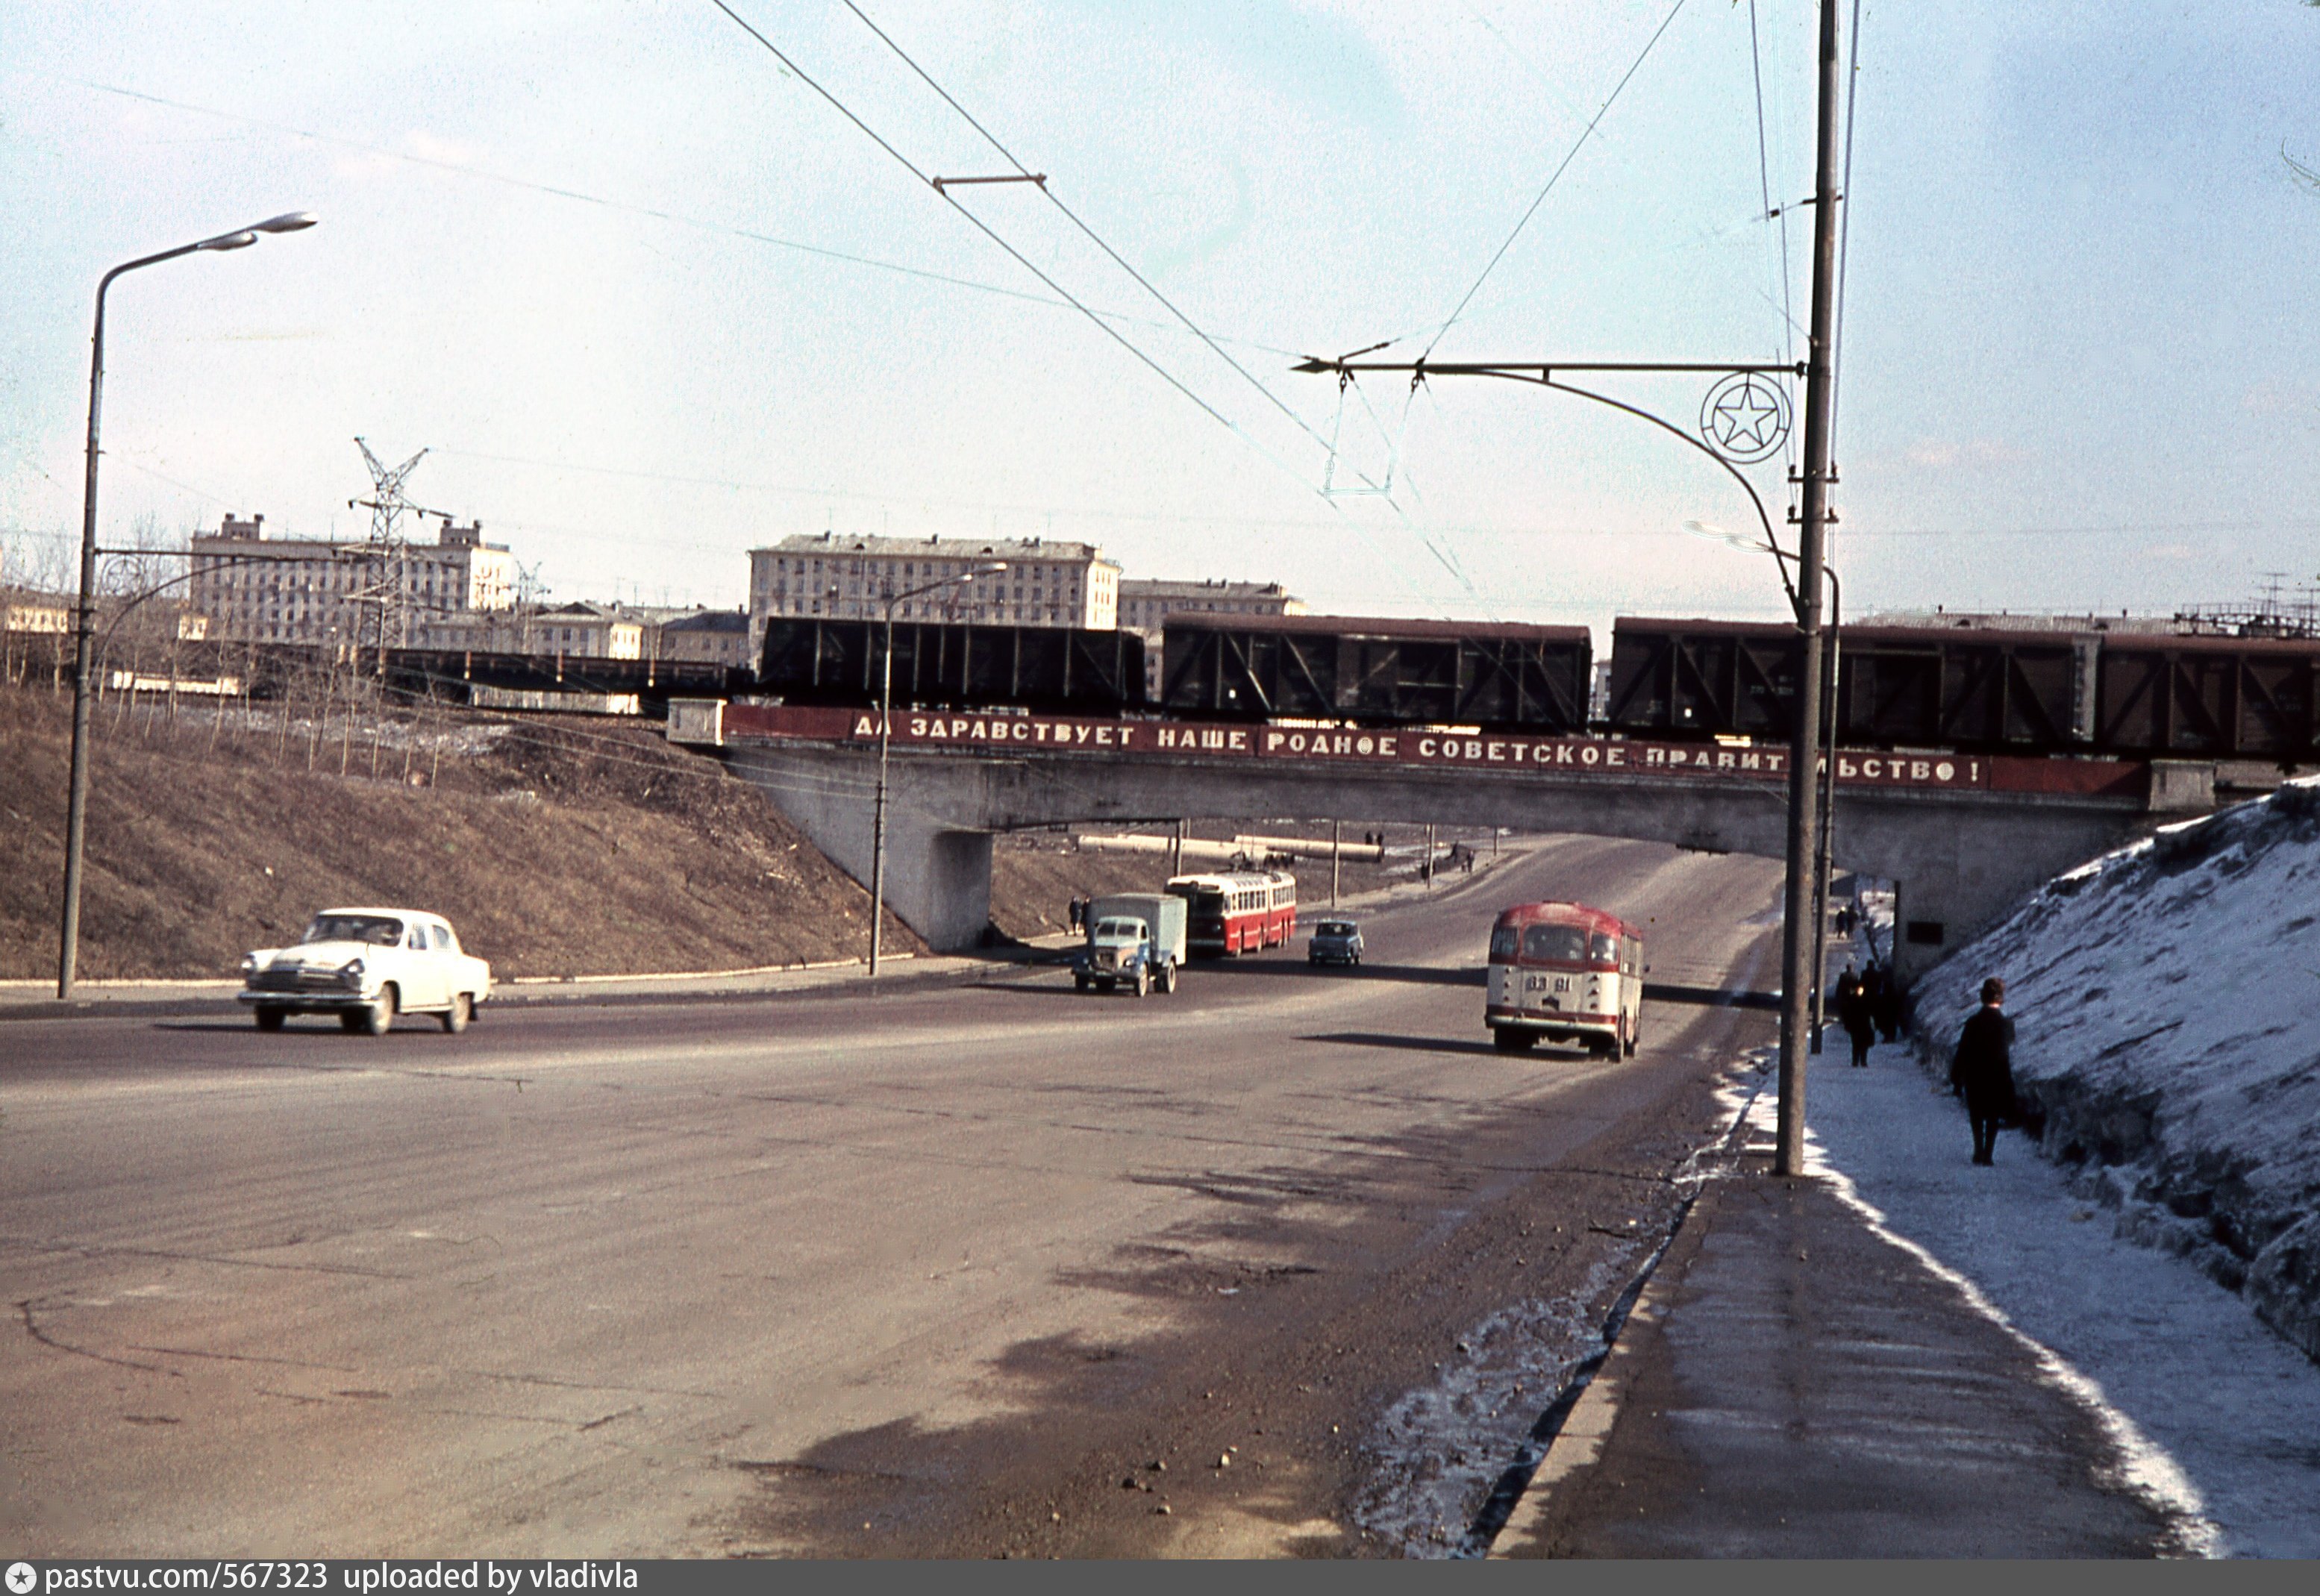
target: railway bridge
1962 835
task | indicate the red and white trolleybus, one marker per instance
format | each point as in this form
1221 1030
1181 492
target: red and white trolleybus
1239 910
1568 973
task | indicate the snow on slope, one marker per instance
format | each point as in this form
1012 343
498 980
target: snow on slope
2166 1000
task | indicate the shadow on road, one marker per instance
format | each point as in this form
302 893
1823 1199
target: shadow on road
1370 1039
1713 997
1299 970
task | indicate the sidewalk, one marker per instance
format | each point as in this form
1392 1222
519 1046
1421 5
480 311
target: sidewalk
37 1000
1794 1384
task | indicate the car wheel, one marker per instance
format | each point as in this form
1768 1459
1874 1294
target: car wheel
462 1010
380 1014
269 1019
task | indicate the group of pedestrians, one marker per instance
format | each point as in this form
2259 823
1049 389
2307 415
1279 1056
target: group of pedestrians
1867 1003
1076 912
1981 1067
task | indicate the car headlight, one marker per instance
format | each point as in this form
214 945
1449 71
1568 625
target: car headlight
352 972
249 964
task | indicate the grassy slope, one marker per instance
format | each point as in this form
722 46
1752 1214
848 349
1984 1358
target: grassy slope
566 848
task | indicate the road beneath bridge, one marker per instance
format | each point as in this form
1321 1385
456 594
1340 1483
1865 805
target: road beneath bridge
931 1272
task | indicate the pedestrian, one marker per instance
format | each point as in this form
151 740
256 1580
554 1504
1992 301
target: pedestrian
1885 1002
1982 1070
1071 912
1855 1014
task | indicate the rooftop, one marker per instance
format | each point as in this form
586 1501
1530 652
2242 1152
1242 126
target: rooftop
935 548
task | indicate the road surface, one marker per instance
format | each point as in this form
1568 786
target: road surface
942 1271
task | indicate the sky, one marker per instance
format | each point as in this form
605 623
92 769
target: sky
649 300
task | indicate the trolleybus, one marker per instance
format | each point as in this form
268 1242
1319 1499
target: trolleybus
1239 910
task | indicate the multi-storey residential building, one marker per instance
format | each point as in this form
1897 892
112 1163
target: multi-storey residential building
1045 583
715 637
582 628
293 590
1147 603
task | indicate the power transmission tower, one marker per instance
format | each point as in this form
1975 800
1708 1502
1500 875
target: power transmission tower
385 582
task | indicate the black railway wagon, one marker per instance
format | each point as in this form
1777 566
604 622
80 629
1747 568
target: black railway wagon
453 673
1054 668
2218 698
2026 692
1377 671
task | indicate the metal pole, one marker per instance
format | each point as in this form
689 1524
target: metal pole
1825 838
1336 856
84 650
878 819
1804 762
85 607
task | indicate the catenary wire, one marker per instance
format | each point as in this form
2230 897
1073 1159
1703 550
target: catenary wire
1585 133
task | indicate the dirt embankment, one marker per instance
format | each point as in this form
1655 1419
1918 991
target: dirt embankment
563 847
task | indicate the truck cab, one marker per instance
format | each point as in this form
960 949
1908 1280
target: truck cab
1134 939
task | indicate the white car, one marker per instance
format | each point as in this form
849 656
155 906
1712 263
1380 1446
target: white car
367 966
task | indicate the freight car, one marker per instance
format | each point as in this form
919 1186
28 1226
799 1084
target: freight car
1377 671
940 665
2225 698
2128 695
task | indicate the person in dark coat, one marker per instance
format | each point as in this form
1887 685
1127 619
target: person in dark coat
1885 1001
1855 1013
1982 1070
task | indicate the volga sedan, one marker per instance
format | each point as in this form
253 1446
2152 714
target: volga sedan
367 966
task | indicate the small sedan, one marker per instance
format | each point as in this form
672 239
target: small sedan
1334 942
367 966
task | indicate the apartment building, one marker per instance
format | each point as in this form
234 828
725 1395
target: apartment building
293 590
581 629
1047 583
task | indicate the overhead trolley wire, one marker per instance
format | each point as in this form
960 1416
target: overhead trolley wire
1585 133
1018 256
1092 236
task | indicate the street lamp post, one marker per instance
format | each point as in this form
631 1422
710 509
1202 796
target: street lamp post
85 611
885 730
1825 803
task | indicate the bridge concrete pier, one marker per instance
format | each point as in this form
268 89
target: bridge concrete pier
1960 858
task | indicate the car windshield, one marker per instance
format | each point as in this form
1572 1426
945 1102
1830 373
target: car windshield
1334 927
376 929
1119 927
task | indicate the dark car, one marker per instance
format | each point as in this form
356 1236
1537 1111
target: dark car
1334 942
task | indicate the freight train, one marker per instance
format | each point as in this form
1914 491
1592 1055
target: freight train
2123 694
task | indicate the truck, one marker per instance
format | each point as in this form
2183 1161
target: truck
1132 938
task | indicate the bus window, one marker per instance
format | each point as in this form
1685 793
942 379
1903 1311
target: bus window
1603 948
1503 942
1567 944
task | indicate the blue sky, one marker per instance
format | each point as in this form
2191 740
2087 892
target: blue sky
2082 352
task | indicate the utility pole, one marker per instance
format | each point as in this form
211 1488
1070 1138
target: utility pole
1805 752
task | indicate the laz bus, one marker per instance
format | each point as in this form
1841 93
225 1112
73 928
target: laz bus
1239 911
1565 973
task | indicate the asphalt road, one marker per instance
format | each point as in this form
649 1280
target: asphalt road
940 1271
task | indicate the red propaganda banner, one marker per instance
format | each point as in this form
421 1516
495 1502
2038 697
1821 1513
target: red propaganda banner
1339 747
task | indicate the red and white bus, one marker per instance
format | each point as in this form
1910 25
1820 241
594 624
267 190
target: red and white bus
1568 973
1239 910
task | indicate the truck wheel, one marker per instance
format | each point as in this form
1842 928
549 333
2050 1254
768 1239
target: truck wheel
1080 980
1104 985
455 1016
269 1019
1168 977
1143 979
380 1014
